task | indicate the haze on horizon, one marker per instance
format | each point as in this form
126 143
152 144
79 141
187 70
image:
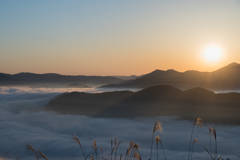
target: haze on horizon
116 37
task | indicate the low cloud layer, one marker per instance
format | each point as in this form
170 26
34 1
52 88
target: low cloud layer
22 121
22 90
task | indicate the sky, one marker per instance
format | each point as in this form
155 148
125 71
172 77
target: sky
116 37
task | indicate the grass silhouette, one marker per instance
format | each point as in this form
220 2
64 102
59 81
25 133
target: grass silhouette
132 152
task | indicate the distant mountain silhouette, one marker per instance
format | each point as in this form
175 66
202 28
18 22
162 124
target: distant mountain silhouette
227 77
51 77
161 100
7 78
127 77
55 79
78 85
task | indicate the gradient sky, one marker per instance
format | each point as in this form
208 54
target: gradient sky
116 37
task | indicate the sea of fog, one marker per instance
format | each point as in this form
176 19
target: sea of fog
23 120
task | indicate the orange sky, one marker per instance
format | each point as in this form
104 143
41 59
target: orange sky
116 38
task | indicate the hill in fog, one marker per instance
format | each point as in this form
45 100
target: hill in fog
162 100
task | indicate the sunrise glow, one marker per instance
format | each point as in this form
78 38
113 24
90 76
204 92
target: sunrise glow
212 53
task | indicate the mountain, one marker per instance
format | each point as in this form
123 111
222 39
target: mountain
227 77
7 78
52 79
78 85
160 100
154 78
158 75
127 77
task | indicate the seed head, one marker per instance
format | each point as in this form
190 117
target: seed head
131 144
137 156
199 122
158 127
116 141
157 140
136 146
94 144
75 139
195 140
41 155
29 148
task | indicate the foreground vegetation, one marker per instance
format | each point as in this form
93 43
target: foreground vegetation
132 151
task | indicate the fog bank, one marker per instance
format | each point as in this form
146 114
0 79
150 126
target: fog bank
22 121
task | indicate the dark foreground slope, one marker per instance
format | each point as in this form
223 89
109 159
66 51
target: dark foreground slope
162 100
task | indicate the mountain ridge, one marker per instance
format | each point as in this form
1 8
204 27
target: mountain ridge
54 79
224 78
160 100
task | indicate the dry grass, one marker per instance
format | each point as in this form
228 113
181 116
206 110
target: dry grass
29 148
101 150
197 122
195 141
137 156
75 139
94 145
121 156
157 139
214 155
158 127
133 150
128 152
41 155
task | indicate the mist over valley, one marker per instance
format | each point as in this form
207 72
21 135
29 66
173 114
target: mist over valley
24 119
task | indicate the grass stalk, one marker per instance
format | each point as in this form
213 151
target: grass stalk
41 155
29 148
111 148
189 151
163 150
75 139
157 127
195 140
151 147
199 122
157 151
210 137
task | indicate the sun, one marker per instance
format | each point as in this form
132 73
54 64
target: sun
212 53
